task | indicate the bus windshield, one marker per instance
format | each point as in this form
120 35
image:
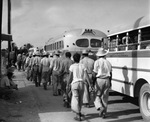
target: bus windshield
95 43
82 42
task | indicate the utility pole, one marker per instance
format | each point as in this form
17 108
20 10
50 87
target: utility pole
9 30
1 11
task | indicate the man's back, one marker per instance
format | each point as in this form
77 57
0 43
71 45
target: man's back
88 63
45 64
65 65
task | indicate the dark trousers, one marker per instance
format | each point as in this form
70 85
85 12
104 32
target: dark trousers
36 75
56 82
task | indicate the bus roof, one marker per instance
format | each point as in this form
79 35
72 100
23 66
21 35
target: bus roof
141 22
80 32
77 32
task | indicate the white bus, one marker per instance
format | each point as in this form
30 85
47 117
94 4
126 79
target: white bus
129 54
77 40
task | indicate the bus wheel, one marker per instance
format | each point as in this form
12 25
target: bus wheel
144 100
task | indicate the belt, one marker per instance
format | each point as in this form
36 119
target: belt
107 77
77 81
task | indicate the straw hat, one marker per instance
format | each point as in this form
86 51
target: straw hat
85 52
101 52
57 52
37 53
50 54
45 53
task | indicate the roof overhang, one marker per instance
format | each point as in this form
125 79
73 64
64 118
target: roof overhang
6 37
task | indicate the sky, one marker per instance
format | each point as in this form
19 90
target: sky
36 21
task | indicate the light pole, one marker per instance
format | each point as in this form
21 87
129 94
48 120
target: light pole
9 30
1 11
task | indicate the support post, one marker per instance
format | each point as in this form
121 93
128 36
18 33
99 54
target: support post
1 11
9 31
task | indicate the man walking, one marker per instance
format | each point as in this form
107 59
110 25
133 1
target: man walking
36 69
89 65
45 63
76 77
55 73
102 72
64 71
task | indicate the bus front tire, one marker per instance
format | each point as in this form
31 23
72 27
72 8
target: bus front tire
144 102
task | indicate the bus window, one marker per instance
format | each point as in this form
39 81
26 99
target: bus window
55 46
62 42
133 36
50 46
82 43
95 43
145 37
112 45
145 34
59 45
133 40
122 38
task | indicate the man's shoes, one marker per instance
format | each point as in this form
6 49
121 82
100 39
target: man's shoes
59 92
77 118
87 106
45 87
101 112
55 95
104 115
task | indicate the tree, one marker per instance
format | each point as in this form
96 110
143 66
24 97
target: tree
28 46
25 48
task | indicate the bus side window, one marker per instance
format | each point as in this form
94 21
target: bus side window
145 38
120 42
112 45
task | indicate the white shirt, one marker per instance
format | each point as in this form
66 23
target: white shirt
102 67
45 64
78 70
36 60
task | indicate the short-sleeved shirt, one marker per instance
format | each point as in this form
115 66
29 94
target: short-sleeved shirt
65 65
56 63
45 64
36 60
78 70
102 67
88 63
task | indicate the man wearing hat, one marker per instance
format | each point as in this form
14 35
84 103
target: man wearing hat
45 63
28 65
89 65
36 69
55 72
102 72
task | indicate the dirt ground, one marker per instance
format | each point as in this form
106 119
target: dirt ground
20 104
27 103
34 104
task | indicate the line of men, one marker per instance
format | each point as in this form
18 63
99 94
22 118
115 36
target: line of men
75 79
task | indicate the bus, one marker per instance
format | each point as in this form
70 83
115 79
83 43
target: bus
129 54
77 40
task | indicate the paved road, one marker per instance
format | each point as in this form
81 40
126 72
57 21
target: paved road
34 104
